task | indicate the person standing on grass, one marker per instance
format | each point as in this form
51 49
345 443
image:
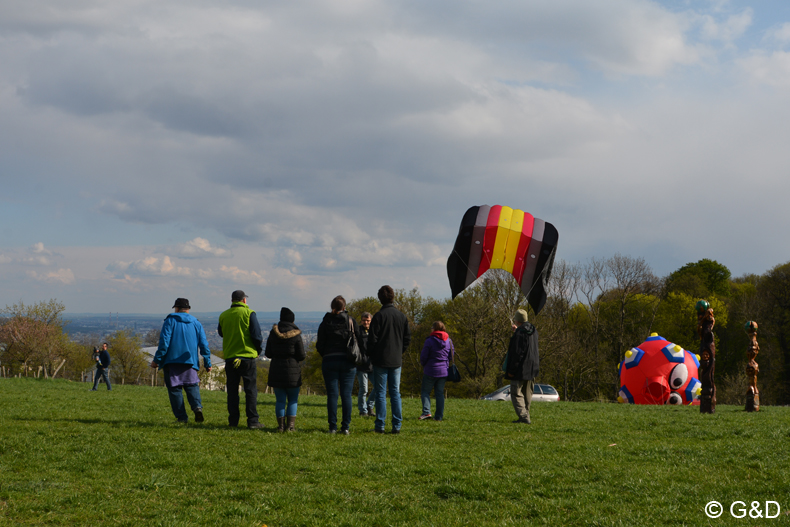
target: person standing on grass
339 372
242 342
522 364
388 340
435 357
180 340
365 400
285 348
102 364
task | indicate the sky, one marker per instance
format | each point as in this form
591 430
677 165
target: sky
298 150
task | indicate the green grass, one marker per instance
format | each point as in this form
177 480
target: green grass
69 456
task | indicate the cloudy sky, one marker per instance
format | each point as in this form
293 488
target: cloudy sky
303 149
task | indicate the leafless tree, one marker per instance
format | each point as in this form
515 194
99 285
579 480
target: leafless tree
563 361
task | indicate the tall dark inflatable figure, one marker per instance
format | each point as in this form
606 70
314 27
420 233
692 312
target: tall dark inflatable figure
707 354
752 369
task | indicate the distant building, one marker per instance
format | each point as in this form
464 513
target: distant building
215 380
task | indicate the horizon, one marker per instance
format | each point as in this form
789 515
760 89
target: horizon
67 314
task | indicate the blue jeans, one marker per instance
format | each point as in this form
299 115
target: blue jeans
283 394
365 402
177 399
387 380
101 373
437 385
339 380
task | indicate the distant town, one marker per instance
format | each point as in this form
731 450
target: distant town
84 326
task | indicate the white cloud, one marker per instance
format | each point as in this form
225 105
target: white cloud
64 276
150 266
727 30
196 248
240 276
771 69
39 255
38 248
780 34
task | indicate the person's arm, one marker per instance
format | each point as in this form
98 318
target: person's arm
515 353
205 352
164 342
373 336
319 340
426 352
255 333
219 330
269 351
406 335
299 353
357 333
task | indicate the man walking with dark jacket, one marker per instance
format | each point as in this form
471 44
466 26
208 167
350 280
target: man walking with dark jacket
242 342
102 364
522 364
388 339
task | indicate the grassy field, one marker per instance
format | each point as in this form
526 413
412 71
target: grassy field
69 456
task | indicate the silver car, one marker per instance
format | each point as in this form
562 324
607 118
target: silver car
541 392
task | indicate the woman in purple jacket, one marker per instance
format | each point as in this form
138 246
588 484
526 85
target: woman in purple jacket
437 352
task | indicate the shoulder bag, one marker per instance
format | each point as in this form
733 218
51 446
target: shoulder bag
453 375
353 352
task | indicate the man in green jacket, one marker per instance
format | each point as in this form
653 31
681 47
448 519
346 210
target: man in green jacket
241 344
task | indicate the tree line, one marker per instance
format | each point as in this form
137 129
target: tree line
596 310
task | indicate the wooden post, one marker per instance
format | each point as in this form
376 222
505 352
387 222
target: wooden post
752 369
58 368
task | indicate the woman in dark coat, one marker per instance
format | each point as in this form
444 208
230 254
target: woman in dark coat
285 348
339 372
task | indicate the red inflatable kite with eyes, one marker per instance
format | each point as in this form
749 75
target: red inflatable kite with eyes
659 372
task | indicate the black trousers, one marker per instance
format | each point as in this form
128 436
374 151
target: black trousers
247 372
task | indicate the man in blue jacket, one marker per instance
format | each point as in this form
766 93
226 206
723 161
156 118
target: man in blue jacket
181 337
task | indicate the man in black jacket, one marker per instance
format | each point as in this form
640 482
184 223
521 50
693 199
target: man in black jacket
102 363
388 338
522 364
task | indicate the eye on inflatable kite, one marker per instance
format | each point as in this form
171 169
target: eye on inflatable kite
659 372
499 237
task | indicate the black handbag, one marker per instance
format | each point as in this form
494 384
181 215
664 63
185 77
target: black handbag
354 354
453 375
